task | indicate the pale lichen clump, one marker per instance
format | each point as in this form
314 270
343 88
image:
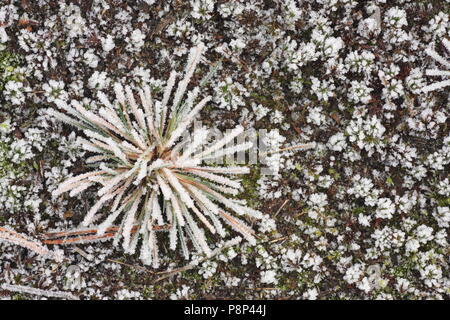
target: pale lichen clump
152 177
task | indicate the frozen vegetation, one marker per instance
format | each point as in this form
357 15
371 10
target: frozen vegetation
353 95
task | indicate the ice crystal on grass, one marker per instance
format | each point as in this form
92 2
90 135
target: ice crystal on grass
9 235
437 72
150 178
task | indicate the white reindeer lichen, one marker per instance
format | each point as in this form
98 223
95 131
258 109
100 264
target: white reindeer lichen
147 179
436 72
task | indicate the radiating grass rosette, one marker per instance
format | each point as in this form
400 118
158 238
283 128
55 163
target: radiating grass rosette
152 180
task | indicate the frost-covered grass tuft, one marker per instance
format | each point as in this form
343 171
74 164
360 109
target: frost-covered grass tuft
151 179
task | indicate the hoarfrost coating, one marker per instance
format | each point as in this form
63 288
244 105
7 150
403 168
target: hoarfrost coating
363 215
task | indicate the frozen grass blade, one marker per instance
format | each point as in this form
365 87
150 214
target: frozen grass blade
150 181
